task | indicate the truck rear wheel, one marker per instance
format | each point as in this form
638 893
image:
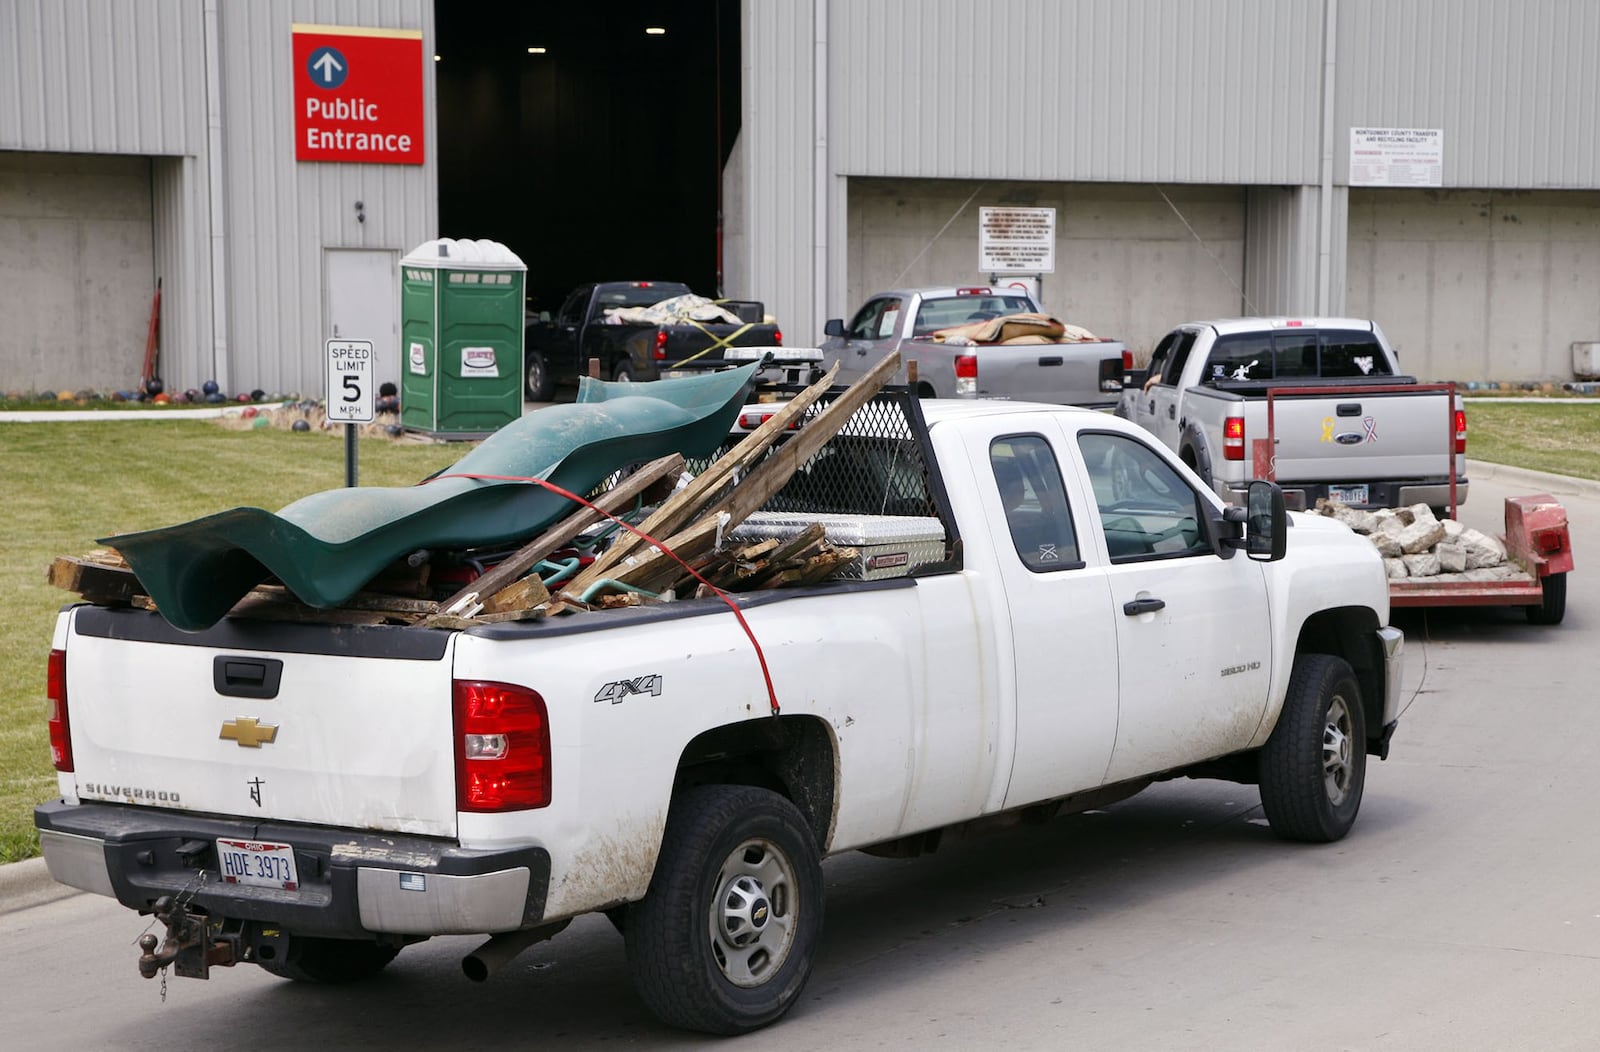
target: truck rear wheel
328 961
1314 766
724 940
1554 606
624 374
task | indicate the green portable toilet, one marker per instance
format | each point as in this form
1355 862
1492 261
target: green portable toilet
461 329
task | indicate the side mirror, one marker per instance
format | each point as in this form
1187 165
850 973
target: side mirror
1266 522
834 327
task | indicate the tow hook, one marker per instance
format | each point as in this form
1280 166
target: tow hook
192 946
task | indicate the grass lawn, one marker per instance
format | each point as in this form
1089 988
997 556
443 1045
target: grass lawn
67 483
1558 435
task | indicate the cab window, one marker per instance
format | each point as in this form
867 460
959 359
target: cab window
877 320
1346 354
1037 515
1147 510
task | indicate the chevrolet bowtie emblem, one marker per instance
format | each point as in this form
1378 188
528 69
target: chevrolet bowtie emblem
248 733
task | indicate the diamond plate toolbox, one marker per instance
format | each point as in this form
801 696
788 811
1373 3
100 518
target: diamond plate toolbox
890 545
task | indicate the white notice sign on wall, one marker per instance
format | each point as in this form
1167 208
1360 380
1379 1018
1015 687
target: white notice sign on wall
1017 240
1396 157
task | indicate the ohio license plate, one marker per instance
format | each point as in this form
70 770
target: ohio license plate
255 863
1348 494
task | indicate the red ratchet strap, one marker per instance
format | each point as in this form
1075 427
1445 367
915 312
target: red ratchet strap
766 674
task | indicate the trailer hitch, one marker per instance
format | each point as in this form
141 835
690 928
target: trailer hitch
194 944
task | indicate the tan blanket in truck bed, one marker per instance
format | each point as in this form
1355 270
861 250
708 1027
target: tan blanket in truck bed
1028 327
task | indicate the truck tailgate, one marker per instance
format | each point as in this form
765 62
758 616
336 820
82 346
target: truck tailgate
1356 433
1058 373
331 724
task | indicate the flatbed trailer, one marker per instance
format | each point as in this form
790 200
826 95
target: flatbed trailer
1537 540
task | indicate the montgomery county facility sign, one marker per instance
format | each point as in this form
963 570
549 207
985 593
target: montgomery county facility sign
357 94
1396 157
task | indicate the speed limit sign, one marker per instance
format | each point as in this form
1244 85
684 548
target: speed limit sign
350 382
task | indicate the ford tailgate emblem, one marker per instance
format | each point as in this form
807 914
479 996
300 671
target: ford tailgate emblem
1347 438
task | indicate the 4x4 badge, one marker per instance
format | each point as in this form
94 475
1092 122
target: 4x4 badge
248 733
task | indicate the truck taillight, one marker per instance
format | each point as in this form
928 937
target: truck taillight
60 731
1461 431
1127 359
777 337
967 375
660 350
974 290
502 747
1233 438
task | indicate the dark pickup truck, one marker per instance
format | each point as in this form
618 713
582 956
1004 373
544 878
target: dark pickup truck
558 350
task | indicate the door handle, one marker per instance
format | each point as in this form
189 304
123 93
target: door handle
1152 407
1147 605
1172 411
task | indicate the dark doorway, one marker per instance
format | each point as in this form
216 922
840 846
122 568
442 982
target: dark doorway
599 159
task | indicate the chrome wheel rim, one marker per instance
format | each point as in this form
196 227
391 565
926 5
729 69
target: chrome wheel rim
1338 751
752 917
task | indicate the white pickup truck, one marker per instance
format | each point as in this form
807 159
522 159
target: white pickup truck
311 798
1318 405
1086 372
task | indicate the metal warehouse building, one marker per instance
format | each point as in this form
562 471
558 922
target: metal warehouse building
1432 164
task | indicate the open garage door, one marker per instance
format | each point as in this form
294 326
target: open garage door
588 144
77 270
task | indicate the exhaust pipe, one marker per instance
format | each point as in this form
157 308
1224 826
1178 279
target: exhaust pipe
498 951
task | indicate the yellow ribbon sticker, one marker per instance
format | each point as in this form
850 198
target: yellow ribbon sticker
1327 429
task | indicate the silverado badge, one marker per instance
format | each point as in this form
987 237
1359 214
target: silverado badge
248 733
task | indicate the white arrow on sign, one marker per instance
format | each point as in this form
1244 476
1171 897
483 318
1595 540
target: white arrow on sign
327 65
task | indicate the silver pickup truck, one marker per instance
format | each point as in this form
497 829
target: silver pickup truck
1318 405
1086 373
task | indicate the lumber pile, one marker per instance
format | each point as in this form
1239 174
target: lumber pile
678 550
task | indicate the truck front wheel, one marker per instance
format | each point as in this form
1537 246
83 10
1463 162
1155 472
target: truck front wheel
1314 766
328 961
724 940
538 378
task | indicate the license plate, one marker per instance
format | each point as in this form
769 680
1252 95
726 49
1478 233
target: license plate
1348 494
261 865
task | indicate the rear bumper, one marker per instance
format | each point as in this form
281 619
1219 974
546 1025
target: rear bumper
352 884
1389 494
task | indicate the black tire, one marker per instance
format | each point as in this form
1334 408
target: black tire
537 378
624 373
329 962
1314 767
724 940
1554 607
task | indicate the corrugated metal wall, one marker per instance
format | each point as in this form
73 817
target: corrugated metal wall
776 232
102 76
1091 90
282 213
1514 84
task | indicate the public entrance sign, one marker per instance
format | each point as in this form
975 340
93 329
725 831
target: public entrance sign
350 382
358 94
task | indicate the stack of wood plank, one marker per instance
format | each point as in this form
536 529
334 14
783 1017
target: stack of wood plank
676 551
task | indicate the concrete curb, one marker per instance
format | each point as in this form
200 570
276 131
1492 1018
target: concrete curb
42 416
28 883
1536 481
